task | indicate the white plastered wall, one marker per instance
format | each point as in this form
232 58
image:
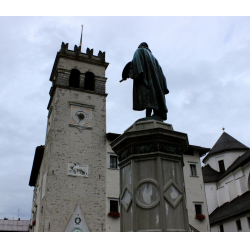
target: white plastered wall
112 190
228 157
195 192
211 196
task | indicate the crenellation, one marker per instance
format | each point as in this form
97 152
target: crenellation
89 53
77 53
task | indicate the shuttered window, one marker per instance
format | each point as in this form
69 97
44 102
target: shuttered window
113 161
221 166
193 170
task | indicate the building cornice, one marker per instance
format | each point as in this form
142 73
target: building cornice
53 90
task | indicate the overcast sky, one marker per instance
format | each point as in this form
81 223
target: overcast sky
206 61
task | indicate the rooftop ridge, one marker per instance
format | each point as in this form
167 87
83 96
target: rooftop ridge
225 143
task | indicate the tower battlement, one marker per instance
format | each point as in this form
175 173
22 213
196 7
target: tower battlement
67 59
77 53
81 71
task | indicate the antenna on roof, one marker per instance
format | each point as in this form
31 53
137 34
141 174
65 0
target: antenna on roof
81 38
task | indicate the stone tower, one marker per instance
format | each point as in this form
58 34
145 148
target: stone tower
70 177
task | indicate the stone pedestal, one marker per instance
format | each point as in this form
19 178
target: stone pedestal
151 177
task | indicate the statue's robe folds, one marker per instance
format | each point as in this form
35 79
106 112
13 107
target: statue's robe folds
150 85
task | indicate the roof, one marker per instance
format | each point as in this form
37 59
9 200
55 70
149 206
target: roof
36 165
225 143
112 136
201 150
239 162
14 225
211 175
237 207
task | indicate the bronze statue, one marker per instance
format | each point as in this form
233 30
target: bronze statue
150 85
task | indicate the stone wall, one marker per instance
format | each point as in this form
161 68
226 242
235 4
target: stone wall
66 144
62 79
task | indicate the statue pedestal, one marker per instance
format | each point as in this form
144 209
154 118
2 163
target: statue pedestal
151 177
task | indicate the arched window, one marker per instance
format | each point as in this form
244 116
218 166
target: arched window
74 78
89 82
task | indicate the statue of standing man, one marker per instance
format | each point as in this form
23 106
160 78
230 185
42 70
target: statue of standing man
150 85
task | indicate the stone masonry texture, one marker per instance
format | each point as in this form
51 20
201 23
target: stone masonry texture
66 144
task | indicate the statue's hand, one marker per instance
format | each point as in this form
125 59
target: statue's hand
125 72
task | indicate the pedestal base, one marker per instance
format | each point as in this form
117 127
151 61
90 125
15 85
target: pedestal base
151 177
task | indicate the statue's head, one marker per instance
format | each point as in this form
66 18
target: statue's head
144 45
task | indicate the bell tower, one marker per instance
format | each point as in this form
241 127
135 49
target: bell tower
70 181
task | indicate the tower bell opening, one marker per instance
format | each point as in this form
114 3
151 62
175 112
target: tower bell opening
74 78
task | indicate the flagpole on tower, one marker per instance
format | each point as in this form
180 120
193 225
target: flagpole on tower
81 38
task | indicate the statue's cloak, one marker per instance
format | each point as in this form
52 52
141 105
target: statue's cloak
150 85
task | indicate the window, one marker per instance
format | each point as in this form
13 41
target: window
89 81
113 205
113 161
74 78
221 166
248 219
238 224
198 209
221 228
193 170
114 210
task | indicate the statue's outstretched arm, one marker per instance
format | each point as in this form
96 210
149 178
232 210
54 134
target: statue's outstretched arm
126 72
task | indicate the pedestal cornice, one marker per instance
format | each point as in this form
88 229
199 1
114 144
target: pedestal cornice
156 139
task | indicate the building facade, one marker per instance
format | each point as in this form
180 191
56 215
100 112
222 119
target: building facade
227 185
68 173
19 225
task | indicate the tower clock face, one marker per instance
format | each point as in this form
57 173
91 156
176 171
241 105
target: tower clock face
81 116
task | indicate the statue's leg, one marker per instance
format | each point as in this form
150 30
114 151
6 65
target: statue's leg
160 114
148 112
157 113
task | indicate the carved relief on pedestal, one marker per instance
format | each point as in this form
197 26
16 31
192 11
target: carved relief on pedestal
77 170
81 116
